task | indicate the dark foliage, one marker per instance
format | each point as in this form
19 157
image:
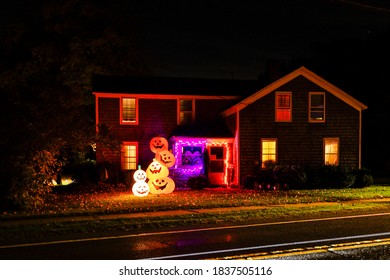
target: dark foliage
285 177
198 182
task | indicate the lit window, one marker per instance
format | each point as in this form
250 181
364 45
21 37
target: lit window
331 151
186 111
283 107
128 110
129 156
316 106
268 152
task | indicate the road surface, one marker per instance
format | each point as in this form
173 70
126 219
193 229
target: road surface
206 243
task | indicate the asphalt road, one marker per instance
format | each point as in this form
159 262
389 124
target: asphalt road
208 243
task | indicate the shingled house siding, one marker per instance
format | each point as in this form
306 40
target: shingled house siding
157 117
299 141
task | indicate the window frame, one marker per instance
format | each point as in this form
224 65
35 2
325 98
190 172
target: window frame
179 119
124 122
310 107
262 140
277 94
325 154
123 157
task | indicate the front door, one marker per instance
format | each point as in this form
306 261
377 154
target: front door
217 165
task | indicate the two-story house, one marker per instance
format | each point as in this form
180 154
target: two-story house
220 128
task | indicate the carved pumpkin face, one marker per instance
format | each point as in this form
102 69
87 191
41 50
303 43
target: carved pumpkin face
158 144
156 170
139 175
140 188
161 185
166 158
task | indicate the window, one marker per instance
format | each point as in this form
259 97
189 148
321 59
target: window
216 159
128 110
331 151
283 107
268 152
316 106
191 156
186 111
129 156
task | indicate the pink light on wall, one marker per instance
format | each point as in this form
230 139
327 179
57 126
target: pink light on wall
190 155
187 141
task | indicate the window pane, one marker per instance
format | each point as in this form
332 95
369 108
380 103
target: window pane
331 150
186 105
268 152
317 107
283 114
283 107
185 117
217 151
283 101
186 111
128 110
129 157
317 100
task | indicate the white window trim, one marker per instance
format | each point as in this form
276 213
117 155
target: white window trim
123 157
122 122
317 93
261 150
338 149
276 105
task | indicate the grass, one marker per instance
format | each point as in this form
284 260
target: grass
110 201
114 200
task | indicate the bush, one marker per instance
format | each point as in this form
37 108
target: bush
331 177
198 182
290 176
363 178
249 182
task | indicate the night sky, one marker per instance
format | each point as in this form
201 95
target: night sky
236 39
346 42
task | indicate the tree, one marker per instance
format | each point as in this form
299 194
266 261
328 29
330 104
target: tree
50 51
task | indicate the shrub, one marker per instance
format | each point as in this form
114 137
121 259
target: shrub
198 182
331 177
363 178
249 182
290 176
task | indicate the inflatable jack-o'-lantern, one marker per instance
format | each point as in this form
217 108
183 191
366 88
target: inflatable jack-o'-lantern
161 185
158 144
139 175
155 170
166 158
140 187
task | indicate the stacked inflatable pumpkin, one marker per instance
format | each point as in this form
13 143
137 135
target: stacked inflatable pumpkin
157 171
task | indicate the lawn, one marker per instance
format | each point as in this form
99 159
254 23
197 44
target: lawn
121 200
111 199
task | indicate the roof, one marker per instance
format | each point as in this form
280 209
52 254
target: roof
170 85
302 71
211 130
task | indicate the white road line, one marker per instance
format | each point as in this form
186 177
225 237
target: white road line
189 230
272 246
